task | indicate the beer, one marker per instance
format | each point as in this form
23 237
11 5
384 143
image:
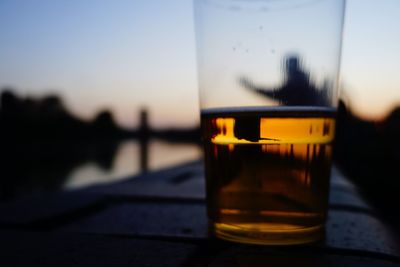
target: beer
267 172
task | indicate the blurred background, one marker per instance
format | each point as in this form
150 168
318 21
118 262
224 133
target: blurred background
97 91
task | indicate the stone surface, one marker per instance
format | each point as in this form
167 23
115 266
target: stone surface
45 208
345 199
345 229
159 219
146 220
183 182
58 249
360 231
251 256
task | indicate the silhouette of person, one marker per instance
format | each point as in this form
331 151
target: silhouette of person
295 91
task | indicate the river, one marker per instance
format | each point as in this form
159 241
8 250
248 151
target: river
128 161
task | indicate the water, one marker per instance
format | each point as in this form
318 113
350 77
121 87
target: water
128 161
46 166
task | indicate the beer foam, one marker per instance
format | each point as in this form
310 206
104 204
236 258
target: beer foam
270 110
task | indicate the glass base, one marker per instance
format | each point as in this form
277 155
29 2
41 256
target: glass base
268 234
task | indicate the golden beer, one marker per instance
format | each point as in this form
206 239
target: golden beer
267 172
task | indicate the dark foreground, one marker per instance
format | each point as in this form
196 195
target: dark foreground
160 220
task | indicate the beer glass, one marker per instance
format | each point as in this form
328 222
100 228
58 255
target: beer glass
268 78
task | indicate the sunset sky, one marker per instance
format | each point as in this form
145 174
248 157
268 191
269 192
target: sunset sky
371 57
127 54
